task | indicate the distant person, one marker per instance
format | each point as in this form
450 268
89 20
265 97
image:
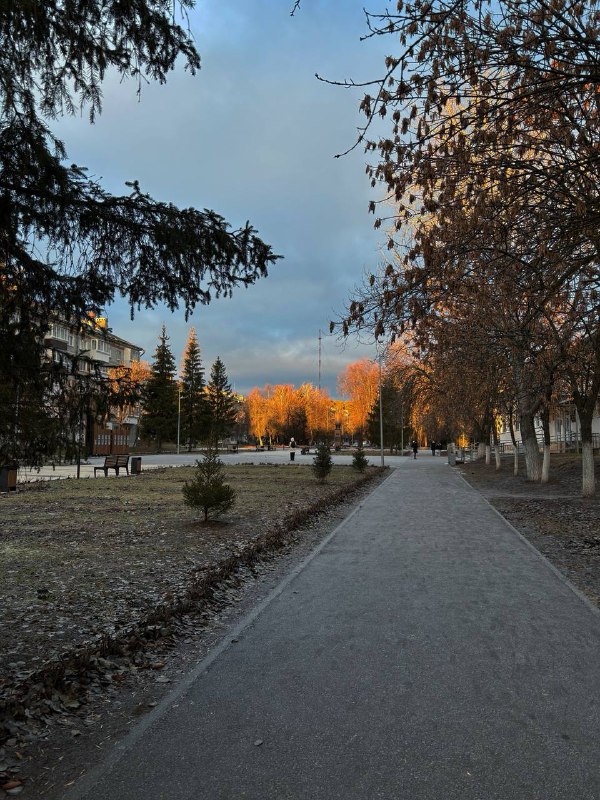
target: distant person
292 443
433 445
415 446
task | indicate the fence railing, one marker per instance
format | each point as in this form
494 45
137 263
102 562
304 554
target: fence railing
557 445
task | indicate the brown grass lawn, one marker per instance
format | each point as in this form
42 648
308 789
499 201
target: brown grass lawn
81 559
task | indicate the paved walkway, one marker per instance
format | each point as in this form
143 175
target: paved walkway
244 456
424 652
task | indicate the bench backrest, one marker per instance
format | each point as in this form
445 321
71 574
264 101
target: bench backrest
116 461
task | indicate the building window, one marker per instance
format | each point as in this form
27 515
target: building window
101 346
60 332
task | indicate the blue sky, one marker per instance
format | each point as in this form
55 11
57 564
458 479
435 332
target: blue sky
253 136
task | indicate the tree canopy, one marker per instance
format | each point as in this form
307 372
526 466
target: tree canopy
67 245
488 165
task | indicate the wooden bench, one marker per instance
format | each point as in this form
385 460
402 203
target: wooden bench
113 462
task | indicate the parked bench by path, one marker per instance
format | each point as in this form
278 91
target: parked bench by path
113 462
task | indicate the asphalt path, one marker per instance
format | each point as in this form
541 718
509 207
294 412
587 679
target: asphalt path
423 651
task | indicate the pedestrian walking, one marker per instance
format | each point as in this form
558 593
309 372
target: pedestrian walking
433 446
415 446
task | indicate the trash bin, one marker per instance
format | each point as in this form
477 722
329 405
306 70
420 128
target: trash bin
136 465
292 455
8 478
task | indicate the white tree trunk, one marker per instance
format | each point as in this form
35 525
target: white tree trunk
488 454
546 464
533 459
498 456
481 450
516 461
588 485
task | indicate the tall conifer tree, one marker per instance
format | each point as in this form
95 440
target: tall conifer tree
159 421
222 403
194 408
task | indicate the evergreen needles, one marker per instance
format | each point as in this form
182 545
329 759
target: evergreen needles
322 462
208 490
359 460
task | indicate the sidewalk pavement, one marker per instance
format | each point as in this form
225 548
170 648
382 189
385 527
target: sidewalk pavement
154 460
424 651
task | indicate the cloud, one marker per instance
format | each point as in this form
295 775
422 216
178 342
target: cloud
253 136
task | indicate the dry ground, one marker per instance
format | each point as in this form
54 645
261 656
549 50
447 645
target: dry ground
554 517
83 559
100 579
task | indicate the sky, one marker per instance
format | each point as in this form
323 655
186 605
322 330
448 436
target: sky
253 136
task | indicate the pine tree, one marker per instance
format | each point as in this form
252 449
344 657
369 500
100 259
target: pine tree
28 432
194 408
68 245
359 461
208 490
322 462
221 402
159 420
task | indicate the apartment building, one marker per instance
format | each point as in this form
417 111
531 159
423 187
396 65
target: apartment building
91 347
565 429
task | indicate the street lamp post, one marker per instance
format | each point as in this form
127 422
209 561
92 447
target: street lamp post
178 416
380 413
331 423
402 427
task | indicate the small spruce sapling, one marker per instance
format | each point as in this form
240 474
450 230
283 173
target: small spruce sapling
322 462
359 461
208 490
